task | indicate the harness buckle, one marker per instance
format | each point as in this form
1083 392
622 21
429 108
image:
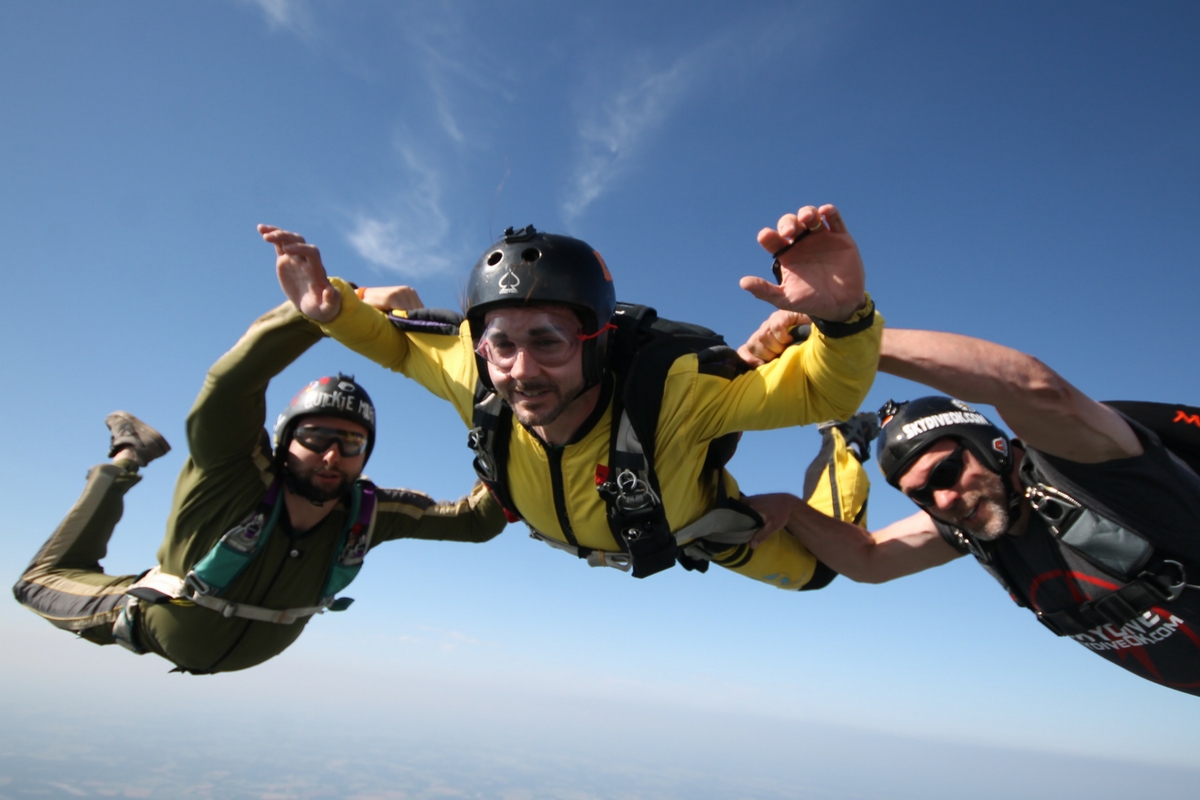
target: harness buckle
124 628
193 585
1115 609
1170 590
633 493
973 547
600 558
1056 508
485 465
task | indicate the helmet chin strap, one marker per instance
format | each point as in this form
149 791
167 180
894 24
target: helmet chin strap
1015 496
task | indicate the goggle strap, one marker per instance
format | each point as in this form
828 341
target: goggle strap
583 337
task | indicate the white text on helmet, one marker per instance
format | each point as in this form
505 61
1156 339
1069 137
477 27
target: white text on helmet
340 402
919 426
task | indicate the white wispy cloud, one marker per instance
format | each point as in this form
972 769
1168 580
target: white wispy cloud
409 237
613 134
444 75
617 126
289 15
410 233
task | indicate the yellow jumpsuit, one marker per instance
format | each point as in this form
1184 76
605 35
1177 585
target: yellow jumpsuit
821 379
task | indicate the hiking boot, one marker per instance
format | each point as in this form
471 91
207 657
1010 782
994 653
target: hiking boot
128 431
858 431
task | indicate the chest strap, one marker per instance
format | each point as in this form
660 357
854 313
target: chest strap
488 440
634 506
234 551
1105 543
594 558
721 526
157 586
1132 600
633 501
212 575
1121 554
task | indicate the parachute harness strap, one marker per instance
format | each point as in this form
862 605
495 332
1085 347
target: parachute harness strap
630 486
635 510
1121 552
488 440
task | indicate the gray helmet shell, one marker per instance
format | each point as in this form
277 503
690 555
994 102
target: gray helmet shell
328 396
909 429
527 267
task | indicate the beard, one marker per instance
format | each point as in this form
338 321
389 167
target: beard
990 516
995 524
552 401
300 482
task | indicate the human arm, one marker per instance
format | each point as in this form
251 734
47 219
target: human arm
302 275
390 298
909 545
823 378
442 363
303 278
1040 406
404 514
829 375
773 336
226 421
821 270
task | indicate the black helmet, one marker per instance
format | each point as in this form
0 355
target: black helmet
909 429
328 397
527 267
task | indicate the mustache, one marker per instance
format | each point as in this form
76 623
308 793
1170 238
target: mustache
535 386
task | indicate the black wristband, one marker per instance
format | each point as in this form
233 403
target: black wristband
840 330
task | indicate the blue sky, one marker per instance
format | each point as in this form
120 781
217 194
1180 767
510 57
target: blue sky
1022 172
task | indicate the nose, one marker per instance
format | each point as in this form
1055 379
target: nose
332 454
944 499
524 366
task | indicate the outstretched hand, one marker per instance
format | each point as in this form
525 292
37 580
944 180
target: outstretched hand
302 275
821 269
771 338
391 298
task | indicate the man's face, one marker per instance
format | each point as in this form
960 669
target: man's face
535 360
976 502
323 475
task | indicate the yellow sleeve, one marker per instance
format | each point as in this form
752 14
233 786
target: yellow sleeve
840 492
445 365
818 380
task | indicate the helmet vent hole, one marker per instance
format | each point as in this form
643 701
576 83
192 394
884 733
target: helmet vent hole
530 254
495 258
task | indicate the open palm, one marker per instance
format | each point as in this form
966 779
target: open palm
821 271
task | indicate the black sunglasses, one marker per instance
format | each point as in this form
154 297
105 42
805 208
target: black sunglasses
944 474
350 443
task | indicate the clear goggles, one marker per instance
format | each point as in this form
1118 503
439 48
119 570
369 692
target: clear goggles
318 439
543 339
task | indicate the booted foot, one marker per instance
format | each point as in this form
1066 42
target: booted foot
135 437
858 431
